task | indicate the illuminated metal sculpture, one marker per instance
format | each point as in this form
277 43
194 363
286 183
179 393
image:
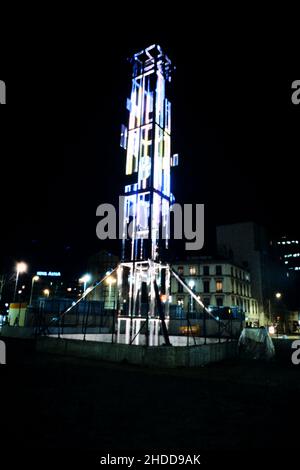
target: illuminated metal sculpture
142 278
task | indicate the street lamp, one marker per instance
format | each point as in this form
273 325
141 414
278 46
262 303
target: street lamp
21 267
110 281
278 296
84 280
191 286
46 292
34 279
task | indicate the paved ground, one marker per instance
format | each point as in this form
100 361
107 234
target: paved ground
52 402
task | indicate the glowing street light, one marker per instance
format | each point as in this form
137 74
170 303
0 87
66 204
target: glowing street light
34 279
278 295
84 280
46 292
110 280
21 267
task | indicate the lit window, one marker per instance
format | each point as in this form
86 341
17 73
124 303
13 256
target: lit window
219 286
193 270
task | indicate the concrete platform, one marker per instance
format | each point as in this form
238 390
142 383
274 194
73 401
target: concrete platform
156 356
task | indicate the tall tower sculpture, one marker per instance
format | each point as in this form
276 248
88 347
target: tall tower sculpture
143 276
143 279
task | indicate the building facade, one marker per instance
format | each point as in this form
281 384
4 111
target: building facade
247 245
219 283
288 250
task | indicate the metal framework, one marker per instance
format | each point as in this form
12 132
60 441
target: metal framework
143 280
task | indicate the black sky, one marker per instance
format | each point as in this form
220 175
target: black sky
234 127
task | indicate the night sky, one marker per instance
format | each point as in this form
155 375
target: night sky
234 127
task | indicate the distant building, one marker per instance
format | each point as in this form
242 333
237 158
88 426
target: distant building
288 250
99 265
247 244
218 282
102 262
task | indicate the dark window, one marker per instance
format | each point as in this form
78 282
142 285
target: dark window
205 270
219 301
206 287
219 270
180 270
180 288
